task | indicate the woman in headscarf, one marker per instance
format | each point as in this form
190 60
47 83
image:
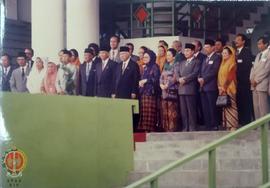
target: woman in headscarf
169 104
161 57
227 86
141 64
149 92
36 76
48 83
75 58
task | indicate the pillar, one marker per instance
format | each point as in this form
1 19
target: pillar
48 35
82 25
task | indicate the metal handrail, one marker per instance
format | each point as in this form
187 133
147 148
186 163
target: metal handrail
211 150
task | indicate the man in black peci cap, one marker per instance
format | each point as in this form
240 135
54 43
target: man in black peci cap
105 72
19 76
208 85
127 75
87 74
186 74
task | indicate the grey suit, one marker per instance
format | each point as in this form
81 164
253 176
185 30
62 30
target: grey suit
188 91
17 81
116 56
260 73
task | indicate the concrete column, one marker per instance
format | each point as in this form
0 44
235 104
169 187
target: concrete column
82 24
48 28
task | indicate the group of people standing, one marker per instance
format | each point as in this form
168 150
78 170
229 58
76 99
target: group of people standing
177 89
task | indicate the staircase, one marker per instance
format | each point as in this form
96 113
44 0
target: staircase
172 18
17 37
238 162
253 19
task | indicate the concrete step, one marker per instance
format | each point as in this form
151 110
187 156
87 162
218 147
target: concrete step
238 162
229 152
200 135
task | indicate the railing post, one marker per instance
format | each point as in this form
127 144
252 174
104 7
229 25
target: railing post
264 153
154 183
212 168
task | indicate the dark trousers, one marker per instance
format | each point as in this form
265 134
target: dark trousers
210 114
244 105
188 112
200 116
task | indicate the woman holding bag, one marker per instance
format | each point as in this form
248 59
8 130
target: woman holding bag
169 104
227 86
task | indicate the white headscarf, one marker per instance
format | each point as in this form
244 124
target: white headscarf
35 78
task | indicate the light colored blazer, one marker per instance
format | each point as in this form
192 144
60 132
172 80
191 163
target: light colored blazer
260 72
66 79
17 82
116 58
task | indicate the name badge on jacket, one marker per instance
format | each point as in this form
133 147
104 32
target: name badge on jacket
210 62
239 60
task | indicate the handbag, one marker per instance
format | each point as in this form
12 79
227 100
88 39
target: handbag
223 101
171 94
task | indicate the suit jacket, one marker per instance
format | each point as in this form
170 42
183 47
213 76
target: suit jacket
87 87
244 65
135 58
104 78
190 72
5 84
180 57
127 83
201 56
209 72
66 79
260 71
17 82
30 63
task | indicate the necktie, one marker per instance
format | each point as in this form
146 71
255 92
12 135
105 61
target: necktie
207 59
87 70
5 72
113 54
103 65
23 74
237 52
123 67
260 57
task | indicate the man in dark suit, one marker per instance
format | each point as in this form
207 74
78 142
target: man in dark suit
7 70
198 48
95 49
177 45
126 79
200 56
105 72
219 45
186 74
87 74
29 52
131 50
244 96
208 85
